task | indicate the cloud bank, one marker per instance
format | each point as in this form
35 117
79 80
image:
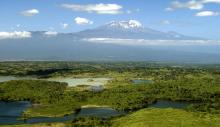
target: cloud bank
15 35
191 4
143 42
95 8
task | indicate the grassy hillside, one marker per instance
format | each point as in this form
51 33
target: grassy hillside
167 118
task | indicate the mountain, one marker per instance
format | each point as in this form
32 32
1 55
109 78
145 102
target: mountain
131 29
48 45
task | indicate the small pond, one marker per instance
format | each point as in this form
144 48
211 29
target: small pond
141 81
169 104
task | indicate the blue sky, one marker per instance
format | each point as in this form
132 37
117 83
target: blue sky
191 17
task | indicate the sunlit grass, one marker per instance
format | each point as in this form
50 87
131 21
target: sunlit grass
167 118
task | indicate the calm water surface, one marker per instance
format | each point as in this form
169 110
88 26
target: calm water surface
70 81
141 81
169 104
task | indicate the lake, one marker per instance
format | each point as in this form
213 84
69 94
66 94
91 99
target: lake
10 112
70 81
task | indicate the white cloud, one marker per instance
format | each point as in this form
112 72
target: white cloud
211 1
31 12
143 42
64 25
166 22
82 21
50 33
207 13
15 35
195 5
192 4
95 8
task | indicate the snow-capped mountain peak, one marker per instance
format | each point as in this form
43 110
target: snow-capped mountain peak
131 29
125 24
